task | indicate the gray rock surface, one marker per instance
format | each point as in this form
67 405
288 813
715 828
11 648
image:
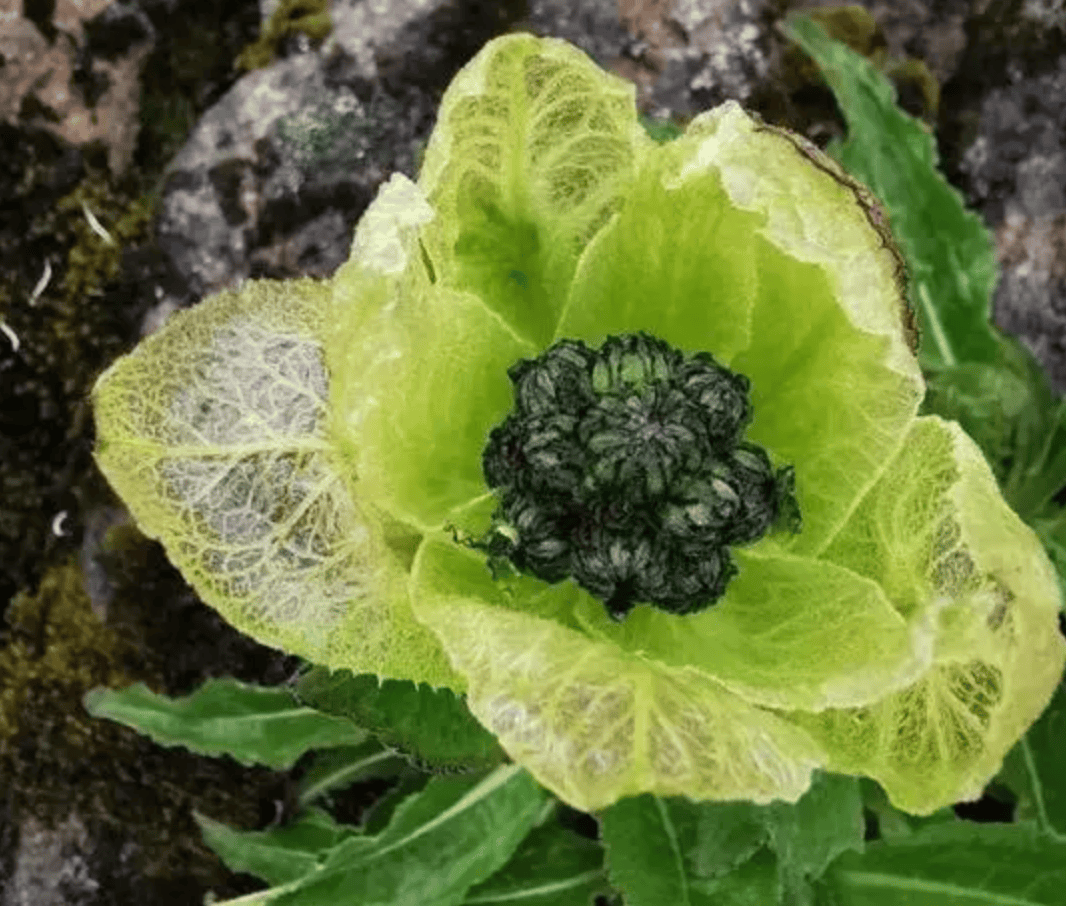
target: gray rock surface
1017 171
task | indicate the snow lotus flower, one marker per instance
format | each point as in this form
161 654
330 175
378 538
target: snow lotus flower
316 457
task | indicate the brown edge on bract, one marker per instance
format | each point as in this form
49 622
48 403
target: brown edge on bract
871 207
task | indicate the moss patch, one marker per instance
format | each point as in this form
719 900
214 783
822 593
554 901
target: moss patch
292 17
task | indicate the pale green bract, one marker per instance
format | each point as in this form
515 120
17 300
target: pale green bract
300 447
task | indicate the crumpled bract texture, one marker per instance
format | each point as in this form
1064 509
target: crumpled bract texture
303 448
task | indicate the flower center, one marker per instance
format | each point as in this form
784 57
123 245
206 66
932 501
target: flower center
624 469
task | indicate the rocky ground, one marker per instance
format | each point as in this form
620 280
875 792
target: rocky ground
222 141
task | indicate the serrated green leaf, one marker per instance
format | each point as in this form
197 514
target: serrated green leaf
438 843
728 834
1033 769
253 724
433 727
948 248
754 883
810 834
379 813
959 864
677 851
987 401
339 768
647 840
553 866
281 855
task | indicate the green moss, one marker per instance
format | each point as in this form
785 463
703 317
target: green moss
94 260
309 17
56 760
56 649
65 333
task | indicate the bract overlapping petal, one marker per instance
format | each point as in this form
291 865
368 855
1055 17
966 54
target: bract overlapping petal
936 534
532 153
589 720
216 431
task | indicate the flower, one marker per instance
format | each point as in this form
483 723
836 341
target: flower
623 469
312 454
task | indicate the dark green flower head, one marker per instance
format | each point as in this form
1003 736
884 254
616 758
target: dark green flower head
625 469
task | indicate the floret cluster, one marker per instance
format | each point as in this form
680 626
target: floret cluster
625 469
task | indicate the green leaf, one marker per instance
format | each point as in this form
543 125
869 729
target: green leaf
948 248
1010 409
678 851
755 883
1033 769
807 836
253 724
433 728
987 400
648 840
955 865
379 813
339 768
661 130
553 866
438 844
891 821
1038 467
281 855
727 836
